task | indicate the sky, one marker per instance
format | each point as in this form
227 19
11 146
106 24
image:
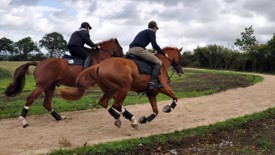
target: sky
182 23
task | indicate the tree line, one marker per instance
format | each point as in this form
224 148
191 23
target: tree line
249 55
27 49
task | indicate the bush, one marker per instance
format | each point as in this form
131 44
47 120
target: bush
15 58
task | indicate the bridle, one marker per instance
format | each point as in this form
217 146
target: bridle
175 67
100 59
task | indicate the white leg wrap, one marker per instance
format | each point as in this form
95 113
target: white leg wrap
24 121
122 110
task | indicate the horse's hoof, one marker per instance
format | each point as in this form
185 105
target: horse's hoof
142 120
25 125
118 123
135 126
166 109
24 121
63 117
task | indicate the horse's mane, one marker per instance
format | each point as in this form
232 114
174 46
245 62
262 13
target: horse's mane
169 48
103 42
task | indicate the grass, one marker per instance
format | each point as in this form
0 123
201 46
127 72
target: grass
12 65
264 143
4 73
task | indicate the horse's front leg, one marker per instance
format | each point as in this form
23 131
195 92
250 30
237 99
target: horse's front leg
153 102
168 108
168 91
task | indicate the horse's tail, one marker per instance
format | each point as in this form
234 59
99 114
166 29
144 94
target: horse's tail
84 81
16 87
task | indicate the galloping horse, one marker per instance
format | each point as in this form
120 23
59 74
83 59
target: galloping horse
53 72
117 76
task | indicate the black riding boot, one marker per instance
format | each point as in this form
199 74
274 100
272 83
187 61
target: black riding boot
153 84
87 62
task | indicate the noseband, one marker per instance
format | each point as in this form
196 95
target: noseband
175 65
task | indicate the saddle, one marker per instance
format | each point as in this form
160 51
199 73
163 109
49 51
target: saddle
72 60
144 66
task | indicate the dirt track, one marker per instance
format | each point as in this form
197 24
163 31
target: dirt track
96 125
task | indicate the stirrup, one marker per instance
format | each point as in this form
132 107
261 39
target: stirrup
152 85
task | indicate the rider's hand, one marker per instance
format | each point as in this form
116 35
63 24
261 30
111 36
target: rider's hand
166 55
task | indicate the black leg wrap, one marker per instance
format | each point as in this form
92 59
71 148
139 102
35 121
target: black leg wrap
24 112
56 116
173 105
114 113
127 115
151 117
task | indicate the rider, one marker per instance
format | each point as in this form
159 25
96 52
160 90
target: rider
137 47
77 41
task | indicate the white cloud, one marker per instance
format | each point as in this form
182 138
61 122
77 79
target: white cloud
182 23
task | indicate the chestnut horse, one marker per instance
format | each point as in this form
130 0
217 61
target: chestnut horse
117 76
53 72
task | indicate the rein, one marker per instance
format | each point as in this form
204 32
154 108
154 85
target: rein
169 77
174 68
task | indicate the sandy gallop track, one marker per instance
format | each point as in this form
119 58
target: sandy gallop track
95 125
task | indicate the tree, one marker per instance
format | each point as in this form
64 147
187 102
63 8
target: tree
229 57
6 46
247 40
54 43
25 46
258 55
214 55
271 53
201 59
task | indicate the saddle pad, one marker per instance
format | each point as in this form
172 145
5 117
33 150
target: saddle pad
73 60
143 66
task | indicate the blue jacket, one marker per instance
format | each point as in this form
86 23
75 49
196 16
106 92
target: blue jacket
145 37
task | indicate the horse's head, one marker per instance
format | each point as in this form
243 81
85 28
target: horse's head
112 47
174 58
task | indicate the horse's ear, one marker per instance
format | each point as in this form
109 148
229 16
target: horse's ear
180 49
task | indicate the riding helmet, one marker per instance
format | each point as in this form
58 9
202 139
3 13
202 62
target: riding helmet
85 24
152 24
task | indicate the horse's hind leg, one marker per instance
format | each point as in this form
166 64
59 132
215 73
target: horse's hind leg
104 103
48 103
30 99
168 91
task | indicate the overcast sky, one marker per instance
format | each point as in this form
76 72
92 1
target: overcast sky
182 23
